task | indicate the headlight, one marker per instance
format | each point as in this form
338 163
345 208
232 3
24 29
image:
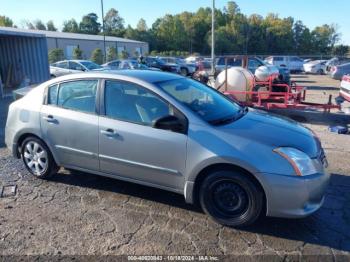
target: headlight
302 164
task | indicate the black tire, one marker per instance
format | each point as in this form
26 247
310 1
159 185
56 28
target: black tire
184 71
231 198
43 165
320 72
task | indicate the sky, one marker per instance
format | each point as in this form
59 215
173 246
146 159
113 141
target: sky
311 12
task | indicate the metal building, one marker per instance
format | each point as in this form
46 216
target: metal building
87 43
23 57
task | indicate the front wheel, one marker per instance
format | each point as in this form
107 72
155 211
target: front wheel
231 198
37 158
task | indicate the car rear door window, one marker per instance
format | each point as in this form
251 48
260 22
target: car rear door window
78 95
132 103
62 65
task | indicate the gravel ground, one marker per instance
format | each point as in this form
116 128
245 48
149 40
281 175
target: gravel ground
81 214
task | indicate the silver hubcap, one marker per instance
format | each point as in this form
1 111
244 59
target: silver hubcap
36 158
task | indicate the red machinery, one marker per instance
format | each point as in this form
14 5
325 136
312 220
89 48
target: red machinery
272 95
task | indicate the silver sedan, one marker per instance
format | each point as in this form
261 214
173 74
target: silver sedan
170 132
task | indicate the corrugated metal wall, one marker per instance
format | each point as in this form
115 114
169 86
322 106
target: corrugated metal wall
28 57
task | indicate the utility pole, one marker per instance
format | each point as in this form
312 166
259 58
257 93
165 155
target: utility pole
213 38
104 34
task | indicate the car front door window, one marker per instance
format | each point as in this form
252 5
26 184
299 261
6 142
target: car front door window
132 103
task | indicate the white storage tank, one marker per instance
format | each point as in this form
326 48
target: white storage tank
238 79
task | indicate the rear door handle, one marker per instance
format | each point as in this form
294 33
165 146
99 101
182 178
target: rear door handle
50 119
109 132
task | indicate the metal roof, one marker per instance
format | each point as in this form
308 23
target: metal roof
56 34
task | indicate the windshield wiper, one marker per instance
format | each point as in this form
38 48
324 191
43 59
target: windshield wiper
223 121
230 119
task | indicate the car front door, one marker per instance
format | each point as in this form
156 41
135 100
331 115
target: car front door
69 123
129 147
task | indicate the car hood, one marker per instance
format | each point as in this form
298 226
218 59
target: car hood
274 131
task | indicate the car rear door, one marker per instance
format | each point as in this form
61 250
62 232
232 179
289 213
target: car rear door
129 147
69 123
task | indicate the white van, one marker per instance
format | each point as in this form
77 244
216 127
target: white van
293 63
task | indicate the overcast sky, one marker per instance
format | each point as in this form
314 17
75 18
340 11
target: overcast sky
311 12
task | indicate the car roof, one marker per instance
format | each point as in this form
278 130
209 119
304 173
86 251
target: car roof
143 75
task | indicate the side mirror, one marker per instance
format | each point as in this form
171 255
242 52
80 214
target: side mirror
169 122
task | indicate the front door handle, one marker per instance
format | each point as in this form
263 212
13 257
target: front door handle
50 119
109 132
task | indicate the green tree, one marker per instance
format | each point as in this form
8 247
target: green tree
77 53
111 54
89 24
340 50
6 21
142 25
56 55
29 25
114 23
97 56
324 38
50 26
70 26
123 55
39 25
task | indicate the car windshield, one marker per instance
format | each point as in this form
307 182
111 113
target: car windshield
90 65
262 61
206 102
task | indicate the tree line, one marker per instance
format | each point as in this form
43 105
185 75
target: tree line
190 32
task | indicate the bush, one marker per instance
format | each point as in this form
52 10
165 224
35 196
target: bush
77 53
123 55
97 56
56 55
111 54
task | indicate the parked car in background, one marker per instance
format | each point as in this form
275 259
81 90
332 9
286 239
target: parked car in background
158 63
186 69
113 65
315 67
173 133
337 72
335 61
253 64
345 87
292 63
72 67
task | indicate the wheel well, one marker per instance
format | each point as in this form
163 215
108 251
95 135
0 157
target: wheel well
21 139
216 167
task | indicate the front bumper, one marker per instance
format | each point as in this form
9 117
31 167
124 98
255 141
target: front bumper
294 196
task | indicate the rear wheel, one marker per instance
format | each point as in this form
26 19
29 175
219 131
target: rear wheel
231 198
37 158
184 72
